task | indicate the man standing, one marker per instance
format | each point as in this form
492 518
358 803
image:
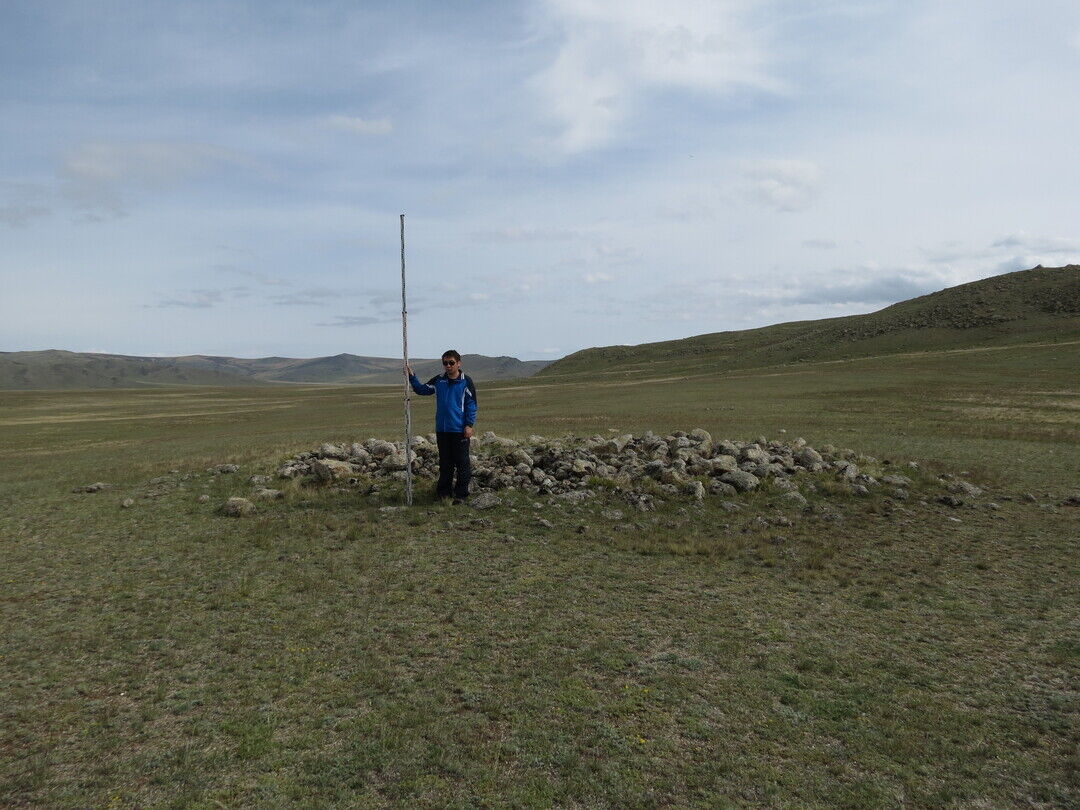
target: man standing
455 415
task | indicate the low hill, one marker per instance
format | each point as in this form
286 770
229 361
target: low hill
53 369
62 369
1041 304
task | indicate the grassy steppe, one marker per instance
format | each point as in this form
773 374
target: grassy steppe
324 653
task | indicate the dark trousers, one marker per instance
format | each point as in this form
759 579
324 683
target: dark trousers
453 456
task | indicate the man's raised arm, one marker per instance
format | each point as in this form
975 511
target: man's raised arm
423 389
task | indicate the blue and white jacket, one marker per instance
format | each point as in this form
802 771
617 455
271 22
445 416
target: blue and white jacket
455 401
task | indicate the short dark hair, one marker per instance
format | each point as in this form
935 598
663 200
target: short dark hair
451 353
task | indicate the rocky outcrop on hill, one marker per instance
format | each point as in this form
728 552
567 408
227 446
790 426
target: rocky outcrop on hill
691 464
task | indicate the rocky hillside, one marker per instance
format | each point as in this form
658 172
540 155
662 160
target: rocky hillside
1030 305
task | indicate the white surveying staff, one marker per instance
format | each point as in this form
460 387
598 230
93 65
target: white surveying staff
405 352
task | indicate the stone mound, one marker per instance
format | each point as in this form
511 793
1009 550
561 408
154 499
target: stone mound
687 463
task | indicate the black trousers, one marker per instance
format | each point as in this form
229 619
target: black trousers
453 457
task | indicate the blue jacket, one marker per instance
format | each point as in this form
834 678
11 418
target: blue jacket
455 401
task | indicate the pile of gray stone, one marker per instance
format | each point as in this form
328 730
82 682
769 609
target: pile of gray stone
682 463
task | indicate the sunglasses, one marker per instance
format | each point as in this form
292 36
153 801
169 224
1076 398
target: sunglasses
449 362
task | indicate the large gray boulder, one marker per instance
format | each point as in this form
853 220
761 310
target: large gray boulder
741 480
380 449
490 439
794 498
702 438
717 487
754 454
724 463
330 469
394 462
695 489
519 456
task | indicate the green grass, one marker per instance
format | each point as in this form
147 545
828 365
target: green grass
326 652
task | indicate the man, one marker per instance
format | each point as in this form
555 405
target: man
455 415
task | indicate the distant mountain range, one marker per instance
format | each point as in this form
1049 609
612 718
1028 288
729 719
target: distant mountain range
62 369
1041 304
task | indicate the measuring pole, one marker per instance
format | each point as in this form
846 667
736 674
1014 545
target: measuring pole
405 353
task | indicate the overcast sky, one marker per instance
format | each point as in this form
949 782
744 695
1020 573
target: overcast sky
226 177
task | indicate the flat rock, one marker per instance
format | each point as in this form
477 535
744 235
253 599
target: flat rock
965 488
485 500
237 507
97 486
575 495
895 480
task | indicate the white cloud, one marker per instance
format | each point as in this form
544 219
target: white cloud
195 299
27 201
612 50
526 234
615 254
95 176
18 214
476 296
598 278
261 278
146 162
317 297
869 289
360 126
786 185
355 320
1017 251
1039 244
